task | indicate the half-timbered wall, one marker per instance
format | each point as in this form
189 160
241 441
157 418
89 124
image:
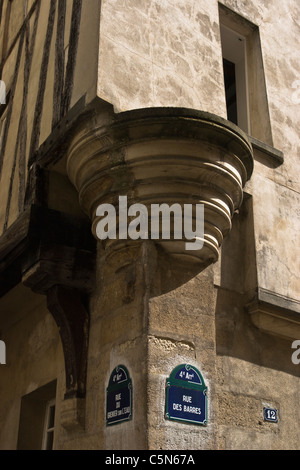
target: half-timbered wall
40 44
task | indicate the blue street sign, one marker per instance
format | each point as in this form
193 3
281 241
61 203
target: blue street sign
186 399
119 397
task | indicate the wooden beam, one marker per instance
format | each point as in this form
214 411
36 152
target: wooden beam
70 314
45 247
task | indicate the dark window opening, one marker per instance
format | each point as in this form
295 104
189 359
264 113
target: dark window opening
235 77
230 90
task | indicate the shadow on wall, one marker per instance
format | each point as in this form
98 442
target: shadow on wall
142 271
236 336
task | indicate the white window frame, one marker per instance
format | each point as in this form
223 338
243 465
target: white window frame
48 429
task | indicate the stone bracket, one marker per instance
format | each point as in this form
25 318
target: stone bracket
163 155
72 416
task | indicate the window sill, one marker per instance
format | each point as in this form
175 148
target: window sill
275 314
276 156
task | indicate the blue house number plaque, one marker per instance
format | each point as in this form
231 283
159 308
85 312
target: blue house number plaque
271 415
119 397
186 398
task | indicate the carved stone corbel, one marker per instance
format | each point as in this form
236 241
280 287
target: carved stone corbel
163 155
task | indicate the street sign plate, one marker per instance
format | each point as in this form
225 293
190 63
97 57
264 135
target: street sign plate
186 398
119 397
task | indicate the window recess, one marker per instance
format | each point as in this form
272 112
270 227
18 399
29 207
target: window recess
235 77
37 415
244 77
